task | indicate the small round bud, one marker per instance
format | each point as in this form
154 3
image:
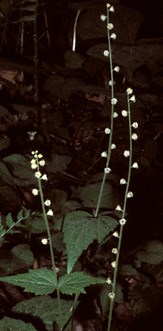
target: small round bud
122 181
133 99
110 26
37 174
113 146
115 251
134 136
106 53
113 264
35 191
115 234
107 170
115 115
50 212
113 36
117 69
130 194
129 90
114 101
107 131
135 165
108 280
124 113
111 295
104 154
126 153
47 203
118 208
122 221
135 125
103 18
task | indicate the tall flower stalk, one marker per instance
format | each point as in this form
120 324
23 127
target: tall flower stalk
36 163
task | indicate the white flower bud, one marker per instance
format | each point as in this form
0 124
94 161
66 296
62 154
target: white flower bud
44 241
114 101
118 208
34 166
107 170
133 99
107 131
115 251
113 264
111 83
113 36
135 165
106 53
135 125
35 191
104 154
47 203
42 163
40 156
37 174
44 177
113 146
103 18
115 234
129 90
115 115
126 153
122 181
50 212
122 221
108 280
110 26
124 113
130 195
134 136
117 69
111 295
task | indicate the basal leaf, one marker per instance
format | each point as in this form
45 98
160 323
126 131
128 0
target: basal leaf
74 283
40 281
7 324
81 229
43 307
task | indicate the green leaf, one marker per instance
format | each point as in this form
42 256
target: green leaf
23 253
5 175
127 270
43 307
22 215
9 220
40 281
58 163
81 229
75 283
151 252
11 324
66 313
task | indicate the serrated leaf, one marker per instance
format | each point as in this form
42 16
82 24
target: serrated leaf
151 252
81 229
22 215
9 220
74 283
7 324
40 281
43 307
66 313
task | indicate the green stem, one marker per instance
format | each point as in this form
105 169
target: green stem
123 216
111 123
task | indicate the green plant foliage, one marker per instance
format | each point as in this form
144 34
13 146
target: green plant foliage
74 283
88 195
151 252
20 169
40 281
81 229
22 215
127 270
20 256
58 163
34 224
11 324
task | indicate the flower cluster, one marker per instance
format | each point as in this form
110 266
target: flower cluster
37 162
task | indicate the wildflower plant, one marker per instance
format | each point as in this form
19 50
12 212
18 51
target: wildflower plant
126 153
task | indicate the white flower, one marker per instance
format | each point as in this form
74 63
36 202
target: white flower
118 208
103 18
113 264
122 221
47 203
110 7
106 53
111 295
33 161
107 170
44 177
114 101
122 181
124 113
115 115
113 36
113 146
42 163
110 26
135 125
133 99
40 156
33 165
104 154
115 251
126 153
107 131
130 195
37 174
129 90
108 280
135 165
134 136
35 191
111 83
117 69
50 212
34 152
44 241
115 234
